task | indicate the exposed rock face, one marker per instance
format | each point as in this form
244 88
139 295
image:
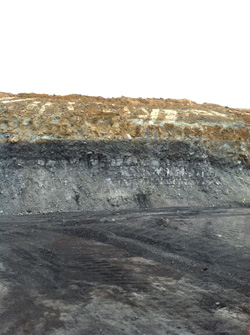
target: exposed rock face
76 153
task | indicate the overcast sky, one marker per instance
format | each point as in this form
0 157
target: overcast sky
194 49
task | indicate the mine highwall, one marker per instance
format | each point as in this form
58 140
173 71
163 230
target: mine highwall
114 175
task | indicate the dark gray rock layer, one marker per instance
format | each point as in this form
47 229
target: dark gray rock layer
76 175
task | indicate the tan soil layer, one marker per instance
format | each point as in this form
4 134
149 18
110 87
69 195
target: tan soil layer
39 118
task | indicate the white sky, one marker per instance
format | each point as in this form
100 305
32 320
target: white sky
194 49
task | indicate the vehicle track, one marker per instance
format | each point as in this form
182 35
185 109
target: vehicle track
163 271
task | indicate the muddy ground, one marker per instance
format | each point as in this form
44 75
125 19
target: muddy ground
152 271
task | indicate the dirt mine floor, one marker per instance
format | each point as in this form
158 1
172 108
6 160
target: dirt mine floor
160 271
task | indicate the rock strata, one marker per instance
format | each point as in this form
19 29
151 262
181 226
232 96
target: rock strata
88 153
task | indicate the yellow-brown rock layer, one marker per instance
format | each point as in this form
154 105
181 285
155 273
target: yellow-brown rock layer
38 118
